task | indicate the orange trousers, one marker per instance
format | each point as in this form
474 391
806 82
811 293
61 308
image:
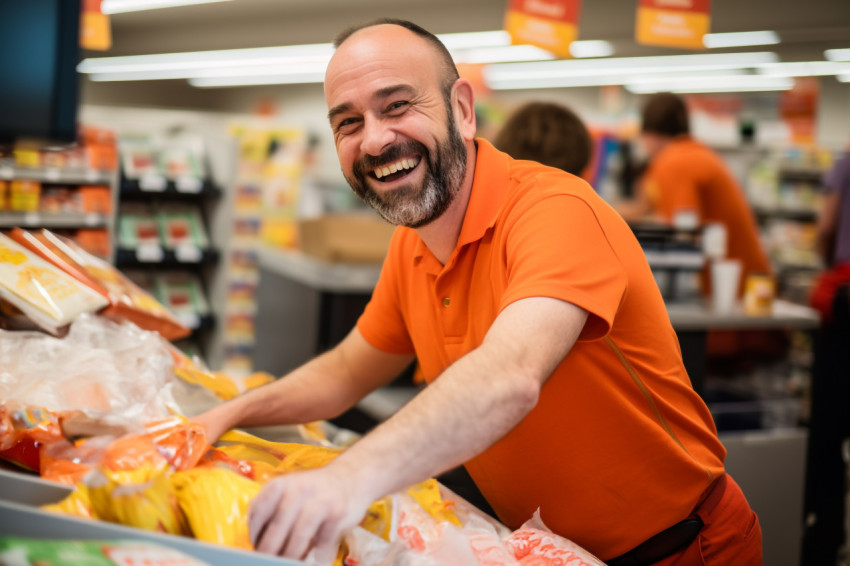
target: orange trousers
731 533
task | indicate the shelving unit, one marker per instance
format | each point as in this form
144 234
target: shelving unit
147 262
74 179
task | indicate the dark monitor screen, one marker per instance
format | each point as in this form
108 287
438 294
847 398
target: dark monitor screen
39 52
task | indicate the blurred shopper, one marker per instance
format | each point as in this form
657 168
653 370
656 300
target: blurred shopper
548 133
553 371
686 177
834 237
829 427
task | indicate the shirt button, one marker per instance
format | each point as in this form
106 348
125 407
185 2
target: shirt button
446 301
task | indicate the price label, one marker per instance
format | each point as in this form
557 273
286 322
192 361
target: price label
92 176
189 320
6 172
51 175
92 219
152 183
188 254
32 219
189 185
149 253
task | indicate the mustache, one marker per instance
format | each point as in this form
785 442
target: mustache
369 162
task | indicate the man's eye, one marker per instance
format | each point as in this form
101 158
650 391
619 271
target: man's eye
397 105
347 125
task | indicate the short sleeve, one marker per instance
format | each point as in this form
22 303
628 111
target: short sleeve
382 323
559 249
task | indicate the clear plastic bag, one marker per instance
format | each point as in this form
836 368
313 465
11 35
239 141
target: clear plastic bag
117 373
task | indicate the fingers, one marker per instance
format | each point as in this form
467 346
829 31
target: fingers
270 519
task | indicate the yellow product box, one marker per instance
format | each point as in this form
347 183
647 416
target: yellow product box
4 195
24 195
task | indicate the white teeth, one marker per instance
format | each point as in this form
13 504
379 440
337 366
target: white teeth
394 167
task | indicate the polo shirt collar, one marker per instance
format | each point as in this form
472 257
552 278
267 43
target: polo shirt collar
489 186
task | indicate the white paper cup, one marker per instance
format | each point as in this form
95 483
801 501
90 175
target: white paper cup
725 278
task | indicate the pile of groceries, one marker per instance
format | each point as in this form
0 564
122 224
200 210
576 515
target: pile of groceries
87 398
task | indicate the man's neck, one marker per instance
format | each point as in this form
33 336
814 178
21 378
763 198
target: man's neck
441 235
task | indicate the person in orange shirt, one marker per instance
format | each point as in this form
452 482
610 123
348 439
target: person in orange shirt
553 371
686 177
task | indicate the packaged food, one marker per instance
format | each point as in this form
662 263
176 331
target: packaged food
45 293
19 551
181 226
24 195
128 301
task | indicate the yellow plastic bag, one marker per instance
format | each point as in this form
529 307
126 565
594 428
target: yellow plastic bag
215 502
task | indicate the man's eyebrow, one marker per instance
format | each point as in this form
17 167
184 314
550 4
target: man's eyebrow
385 92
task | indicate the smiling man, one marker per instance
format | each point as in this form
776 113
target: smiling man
554 373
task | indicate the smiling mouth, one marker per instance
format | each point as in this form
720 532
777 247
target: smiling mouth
395 170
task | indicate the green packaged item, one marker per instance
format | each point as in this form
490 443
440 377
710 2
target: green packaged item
17 551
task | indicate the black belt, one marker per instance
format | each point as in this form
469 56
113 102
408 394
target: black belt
666 543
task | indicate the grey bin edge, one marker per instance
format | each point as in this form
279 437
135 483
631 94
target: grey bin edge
22 494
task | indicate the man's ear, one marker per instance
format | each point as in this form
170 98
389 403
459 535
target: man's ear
463 99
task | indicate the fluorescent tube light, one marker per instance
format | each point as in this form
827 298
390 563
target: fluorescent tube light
475 39
740 39
591 48
729 83
552 74
837 54
121 6
803 69
508 53
303 78
843 77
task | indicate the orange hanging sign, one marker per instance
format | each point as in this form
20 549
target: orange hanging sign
95 33
673 23
549 24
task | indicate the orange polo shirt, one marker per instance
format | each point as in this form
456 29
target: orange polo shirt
619 446
687 175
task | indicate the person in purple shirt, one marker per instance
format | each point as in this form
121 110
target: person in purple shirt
834 221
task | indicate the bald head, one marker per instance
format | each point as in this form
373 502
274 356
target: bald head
442 57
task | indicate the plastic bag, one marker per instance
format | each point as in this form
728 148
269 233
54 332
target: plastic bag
215 502
534 543
45 294
116 372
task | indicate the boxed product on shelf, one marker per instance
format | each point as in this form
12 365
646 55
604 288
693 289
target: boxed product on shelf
181 226
94 240
24 195
95 198
4 195
57 199
137 226
182 293
181 160
138 158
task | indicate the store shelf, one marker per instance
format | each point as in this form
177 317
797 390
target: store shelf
800 214
132 189
146 256
50 221
801 174
57 175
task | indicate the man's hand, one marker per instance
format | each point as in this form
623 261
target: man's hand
298 512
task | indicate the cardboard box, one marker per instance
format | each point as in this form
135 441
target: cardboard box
345 238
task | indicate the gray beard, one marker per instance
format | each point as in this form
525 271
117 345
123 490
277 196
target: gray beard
409 205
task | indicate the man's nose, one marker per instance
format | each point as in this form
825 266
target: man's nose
377 136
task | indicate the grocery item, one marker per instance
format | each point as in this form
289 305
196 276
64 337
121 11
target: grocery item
19 551
47 295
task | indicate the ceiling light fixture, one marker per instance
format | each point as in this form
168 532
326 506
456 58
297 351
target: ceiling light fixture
729 83
804 69
121 6
740 39
837 54
553 74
